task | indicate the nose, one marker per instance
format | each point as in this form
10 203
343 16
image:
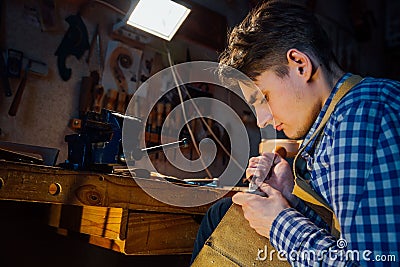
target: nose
264 117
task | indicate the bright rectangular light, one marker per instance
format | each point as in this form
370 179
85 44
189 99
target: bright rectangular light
159 17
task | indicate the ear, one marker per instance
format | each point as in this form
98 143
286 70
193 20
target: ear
301 63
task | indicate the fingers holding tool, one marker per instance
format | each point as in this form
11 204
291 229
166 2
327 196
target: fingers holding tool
261 211
259 170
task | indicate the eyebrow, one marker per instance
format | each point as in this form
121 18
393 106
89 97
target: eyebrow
253 98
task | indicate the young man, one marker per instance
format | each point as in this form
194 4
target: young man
354 165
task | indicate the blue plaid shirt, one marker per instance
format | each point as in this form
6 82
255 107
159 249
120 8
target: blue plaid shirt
356 169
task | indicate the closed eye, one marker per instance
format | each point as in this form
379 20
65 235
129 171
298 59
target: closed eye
252 99
265 98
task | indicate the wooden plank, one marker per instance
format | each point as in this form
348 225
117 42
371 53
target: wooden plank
103 222
32 183
158 234
146 233
95 221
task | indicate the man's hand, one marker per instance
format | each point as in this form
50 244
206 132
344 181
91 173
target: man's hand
280 177
261 211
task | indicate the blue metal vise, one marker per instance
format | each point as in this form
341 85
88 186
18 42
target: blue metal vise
98 144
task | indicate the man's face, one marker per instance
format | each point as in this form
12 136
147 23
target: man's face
286 102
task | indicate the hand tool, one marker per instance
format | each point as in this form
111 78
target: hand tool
98 92
111 99
14 63
121 102
85 95
34 67
253 185
184 142
92 44
5 83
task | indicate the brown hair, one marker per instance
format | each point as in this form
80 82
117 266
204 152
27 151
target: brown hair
260 42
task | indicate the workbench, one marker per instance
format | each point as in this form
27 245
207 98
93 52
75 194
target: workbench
113 211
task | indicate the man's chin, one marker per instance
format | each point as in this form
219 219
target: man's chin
294 135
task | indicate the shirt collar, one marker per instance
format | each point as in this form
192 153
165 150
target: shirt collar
323 111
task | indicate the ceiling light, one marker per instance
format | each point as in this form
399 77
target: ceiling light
158 17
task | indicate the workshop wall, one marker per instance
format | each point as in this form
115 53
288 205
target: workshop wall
357 30
48 103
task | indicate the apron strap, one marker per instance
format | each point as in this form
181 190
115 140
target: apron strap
302 187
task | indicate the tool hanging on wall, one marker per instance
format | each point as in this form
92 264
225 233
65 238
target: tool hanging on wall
14 63
5 83
92 44
34 67
98 90
87 97
120 60
75 42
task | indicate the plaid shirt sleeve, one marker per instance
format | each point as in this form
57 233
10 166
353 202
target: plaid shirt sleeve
361 167
311 214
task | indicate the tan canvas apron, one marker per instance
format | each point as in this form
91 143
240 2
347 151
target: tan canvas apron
235 243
